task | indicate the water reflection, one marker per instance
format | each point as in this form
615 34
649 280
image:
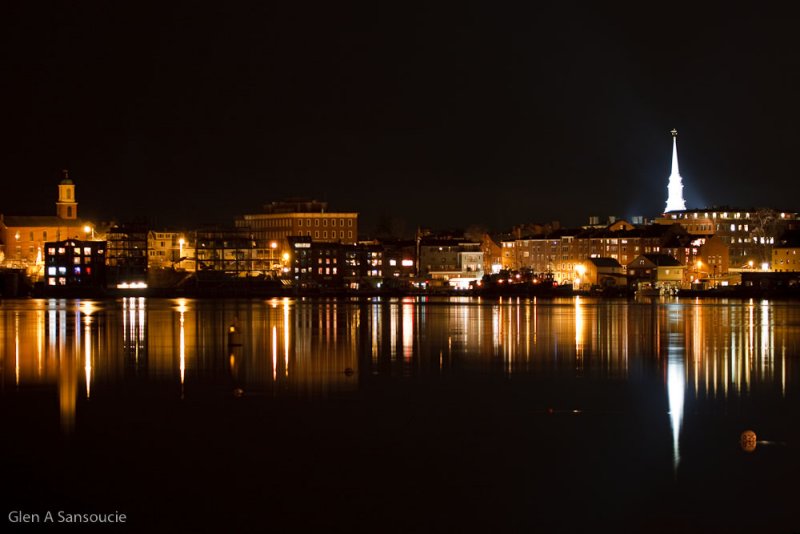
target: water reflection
676 383
706 350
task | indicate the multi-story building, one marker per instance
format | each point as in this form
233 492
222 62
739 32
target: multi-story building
656 271
224 253
22 238
126 254
364 265
599 272
73 264
321 264
455 262
748 233
169 249
786 253
558 253
705 257
272 228
399 260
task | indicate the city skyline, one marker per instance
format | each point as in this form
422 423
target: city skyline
480 116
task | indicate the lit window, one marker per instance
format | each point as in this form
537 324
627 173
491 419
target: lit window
51 281
51 271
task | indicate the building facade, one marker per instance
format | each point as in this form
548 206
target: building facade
272 228
73 264
171 250
749 233
22 238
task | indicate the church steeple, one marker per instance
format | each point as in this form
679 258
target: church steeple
66 207
675 200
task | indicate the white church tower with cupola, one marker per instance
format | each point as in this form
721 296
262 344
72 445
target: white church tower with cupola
675 200
66 207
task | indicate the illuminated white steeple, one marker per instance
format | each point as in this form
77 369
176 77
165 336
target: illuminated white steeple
675 200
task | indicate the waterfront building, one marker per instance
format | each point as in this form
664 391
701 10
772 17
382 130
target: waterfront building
656 271
170 250
278 221
126 254
22 237
224 253
786 253
599 272
364 265
399 260
73 264
323 264
491 246
706 258
451 261
749 233
560 252
508 257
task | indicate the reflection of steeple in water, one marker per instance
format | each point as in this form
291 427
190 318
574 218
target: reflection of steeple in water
675 391
676 380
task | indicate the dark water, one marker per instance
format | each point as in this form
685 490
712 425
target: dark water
402 415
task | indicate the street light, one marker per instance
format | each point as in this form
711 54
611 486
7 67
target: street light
581 270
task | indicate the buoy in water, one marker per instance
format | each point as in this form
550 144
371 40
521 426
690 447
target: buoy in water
748 440
238 392
234 337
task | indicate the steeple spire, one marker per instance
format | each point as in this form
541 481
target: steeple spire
675 152
675 200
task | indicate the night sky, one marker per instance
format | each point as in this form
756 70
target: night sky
436 116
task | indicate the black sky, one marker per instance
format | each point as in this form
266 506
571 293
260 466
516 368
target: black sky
441 116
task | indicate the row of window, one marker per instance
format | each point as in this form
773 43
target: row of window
325 222
87 251
62 271
284 223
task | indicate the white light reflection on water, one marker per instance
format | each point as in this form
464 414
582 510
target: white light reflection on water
677 339
676 380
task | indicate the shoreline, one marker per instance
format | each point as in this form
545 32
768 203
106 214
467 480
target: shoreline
524 292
